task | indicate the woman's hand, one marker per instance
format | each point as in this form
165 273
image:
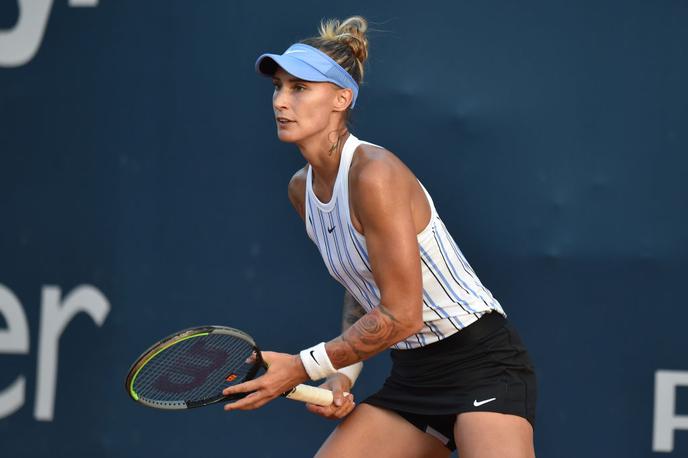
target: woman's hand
284 373
343 400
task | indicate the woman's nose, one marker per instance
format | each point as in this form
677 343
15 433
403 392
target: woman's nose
278 99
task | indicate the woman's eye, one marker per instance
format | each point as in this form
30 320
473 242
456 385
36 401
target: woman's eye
297 88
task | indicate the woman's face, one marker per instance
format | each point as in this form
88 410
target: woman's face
302 108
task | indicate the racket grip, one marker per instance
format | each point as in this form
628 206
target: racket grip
311 394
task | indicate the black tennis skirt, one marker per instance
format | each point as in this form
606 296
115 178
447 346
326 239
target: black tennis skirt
483 368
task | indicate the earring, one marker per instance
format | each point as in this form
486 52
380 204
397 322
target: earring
335 145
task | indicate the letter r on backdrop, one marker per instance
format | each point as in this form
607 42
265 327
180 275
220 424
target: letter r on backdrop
665 419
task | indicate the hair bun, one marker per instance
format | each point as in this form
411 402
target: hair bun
350 31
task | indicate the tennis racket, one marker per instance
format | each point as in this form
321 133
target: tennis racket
190 368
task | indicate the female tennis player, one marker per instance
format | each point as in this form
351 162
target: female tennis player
461 377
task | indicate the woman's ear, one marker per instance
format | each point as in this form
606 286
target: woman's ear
343 99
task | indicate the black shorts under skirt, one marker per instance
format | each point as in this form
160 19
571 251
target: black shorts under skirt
483 368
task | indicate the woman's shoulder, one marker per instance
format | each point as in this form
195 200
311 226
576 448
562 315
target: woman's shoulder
297 189
374 166
382 188
298 180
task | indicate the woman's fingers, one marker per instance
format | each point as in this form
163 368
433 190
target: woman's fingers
255 400
346 407
258 395
246 387
333 411
342 401
284 372
338 398
250 402
322 411
339 384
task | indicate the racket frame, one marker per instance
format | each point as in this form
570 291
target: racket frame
173 339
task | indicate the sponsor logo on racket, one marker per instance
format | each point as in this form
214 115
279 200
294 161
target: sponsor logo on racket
192 370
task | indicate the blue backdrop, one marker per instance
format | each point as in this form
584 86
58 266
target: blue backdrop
140 172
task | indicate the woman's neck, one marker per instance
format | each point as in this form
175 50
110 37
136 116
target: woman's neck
323 154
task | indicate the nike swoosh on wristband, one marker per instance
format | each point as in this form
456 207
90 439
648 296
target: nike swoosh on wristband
316 361
477 403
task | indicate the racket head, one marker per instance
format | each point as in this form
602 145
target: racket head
191 367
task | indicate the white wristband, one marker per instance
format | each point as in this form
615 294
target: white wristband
316 362
352 371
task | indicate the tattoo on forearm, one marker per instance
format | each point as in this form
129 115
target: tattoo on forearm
370 334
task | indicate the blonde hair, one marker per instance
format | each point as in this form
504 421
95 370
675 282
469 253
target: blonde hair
345 42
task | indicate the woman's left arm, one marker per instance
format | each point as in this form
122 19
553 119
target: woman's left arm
381 197
380 192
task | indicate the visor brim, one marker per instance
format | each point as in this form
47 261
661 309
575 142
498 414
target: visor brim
267 65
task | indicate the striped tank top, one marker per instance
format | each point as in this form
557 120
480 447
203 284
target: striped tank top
453 296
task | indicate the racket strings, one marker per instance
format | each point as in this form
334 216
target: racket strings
195 369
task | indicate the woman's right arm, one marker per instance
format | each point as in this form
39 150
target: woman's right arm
351 312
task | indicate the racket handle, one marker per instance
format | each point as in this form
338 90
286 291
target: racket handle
311 394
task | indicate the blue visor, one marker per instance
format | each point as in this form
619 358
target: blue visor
309 64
